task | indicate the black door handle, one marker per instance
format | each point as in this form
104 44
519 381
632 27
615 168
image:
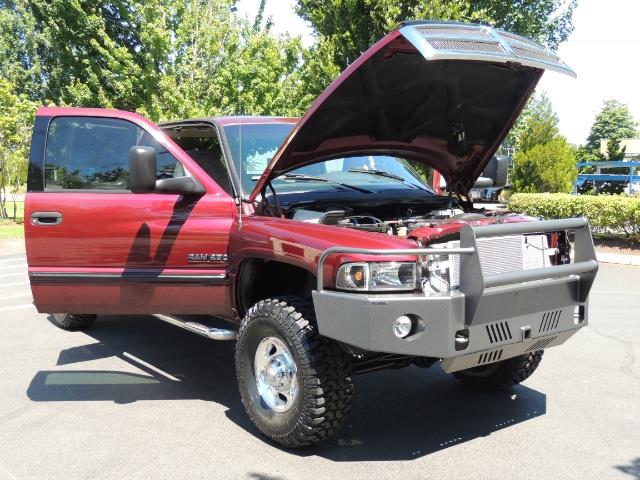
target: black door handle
46 218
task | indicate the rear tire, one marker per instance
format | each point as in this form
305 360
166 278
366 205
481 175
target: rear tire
70 321
501 375
295 384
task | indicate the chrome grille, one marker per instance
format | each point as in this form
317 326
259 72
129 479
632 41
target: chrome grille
535 54
467 45
481 41
517 38
451 30
504 254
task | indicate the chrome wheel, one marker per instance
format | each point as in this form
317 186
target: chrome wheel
275 374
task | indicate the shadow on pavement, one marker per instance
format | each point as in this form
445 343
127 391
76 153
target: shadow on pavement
632 469
396 415
197 368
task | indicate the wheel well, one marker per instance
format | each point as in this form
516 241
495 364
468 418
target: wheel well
258 279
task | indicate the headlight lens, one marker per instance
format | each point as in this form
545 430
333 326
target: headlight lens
353 276
377 276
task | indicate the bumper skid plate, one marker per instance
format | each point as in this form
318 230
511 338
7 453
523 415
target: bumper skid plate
502 315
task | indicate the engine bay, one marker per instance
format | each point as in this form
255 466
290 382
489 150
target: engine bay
391 218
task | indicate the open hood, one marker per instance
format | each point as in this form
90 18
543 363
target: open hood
444 94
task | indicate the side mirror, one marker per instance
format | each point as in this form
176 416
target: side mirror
180 186
142 176
142 169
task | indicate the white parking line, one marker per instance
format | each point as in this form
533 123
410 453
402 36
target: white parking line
16 274
16 261
15 284
10 297
16 307
150 367
13 267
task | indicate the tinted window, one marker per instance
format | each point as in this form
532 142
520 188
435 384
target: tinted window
93 153
207 153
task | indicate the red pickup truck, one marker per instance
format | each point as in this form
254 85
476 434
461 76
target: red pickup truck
315 238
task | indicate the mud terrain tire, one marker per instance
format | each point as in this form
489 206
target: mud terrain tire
69 321
322 373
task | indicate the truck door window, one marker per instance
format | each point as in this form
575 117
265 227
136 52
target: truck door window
168 165
93 153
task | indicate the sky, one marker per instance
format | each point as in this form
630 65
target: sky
604 51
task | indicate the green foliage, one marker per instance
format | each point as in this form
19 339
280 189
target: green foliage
11 229
86 52
16 120
613 121
583 154
353 25
606 213
163 58
614 152
548 167
172 59
22 66
544 161
536 125
252 72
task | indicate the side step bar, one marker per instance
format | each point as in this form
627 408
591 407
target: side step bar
205 331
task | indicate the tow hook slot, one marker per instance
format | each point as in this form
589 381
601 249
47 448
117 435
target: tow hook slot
525 332
462 339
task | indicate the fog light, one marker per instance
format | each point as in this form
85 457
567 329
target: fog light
402 326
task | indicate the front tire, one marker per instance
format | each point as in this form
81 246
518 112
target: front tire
69 321
501 375
295 384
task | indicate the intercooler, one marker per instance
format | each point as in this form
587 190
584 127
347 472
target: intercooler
503 254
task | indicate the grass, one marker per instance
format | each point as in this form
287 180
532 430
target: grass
10 228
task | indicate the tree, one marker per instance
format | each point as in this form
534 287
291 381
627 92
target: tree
613 121
537 125
549 167
21 65
86 52
16 120
163 58
353 25
614 152
251 72
99 53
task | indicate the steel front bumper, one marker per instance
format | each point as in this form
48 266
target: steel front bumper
502 315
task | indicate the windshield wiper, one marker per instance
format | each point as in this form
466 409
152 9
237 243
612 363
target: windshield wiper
382 173
311 178
373 171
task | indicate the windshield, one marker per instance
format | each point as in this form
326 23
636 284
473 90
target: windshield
252 147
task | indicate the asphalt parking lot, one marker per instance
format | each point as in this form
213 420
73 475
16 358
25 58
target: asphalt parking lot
136 398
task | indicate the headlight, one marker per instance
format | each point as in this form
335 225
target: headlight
377 276
438 276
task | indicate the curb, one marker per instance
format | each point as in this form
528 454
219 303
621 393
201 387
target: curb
618 258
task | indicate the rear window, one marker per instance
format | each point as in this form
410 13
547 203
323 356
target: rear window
207 152
93 153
